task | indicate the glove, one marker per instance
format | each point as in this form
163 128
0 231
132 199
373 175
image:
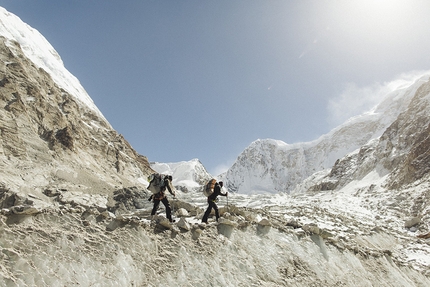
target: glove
150 198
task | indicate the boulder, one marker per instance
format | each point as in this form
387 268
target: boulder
114 224
24 210
293 223
424 236
412 221
162 221
263 227
183 224
226 227
311 228
195 233
181 212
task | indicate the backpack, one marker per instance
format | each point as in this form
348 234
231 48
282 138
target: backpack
208 189
156 182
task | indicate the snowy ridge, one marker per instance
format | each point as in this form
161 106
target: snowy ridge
63 133
274 166
187 175
42 54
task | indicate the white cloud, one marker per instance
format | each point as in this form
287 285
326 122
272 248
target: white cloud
219 169
353 101
356 100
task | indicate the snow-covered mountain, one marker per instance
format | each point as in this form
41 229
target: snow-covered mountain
52 134
74 209
41 53
273 166
188 176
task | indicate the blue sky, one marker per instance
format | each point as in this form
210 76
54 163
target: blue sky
203 79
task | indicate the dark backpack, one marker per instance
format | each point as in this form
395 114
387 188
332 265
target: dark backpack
156 182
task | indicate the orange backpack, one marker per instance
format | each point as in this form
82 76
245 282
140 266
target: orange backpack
209 187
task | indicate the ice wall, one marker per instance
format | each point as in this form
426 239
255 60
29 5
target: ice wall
48 250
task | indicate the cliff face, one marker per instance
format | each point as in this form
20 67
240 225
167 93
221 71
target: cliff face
274 166
50 138
408 141
401 154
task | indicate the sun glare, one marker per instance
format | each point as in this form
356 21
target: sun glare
366 28
373 16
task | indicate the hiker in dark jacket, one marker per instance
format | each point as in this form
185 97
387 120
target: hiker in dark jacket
161 196
212 199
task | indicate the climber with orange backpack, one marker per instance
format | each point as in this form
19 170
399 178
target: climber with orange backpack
212 190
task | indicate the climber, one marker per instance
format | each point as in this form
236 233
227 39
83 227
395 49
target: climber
212 199
161 196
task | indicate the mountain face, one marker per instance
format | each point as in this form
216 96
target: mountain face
401 153
188 176
274 166
52 135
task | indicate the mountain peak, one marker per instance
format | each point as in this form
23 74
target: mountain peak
52 133
40 52
274 166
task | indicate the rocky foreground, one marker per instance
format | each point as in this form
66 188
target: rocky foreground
305 240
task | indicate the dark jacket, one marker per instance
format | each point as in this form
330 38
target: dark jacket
162 194
216 193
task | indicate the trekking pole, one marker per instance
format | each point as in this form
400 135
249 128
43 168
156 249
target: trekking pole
173 208
228 207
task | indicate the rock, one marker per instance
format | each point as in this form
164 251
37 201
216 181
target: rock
85 200
311 228
24 210
424 236
196 232
190 208
181 212
264 222
51 192
128 198
183 224
325 234
226 227
90 220
412 221
114 224
263 227
6 211
300 233
293 223
162 221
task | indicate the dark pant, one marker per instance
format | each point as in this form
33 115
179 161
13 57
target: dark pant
213 205
166 204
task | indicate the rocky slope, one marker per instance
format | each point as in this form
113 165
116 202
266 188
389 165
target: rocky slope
307 241
50 139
